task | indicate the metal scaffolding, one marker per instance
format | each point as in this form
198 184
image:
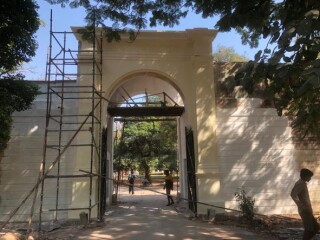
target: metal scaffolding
71 132
72 177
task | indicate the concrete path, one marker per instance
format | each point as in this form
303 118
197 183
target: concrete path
145 215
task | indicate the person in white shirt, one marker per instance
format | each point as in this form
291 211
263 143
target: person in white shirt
300 196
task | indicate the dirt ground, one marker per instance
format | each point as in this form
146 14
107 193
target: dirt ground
272 226
269 227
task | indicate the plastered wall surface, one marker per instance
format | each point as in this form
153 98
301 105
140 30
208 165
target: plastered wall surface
257 151
21 161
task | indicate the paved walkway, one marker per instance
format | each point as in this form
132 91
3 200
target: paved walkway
145 215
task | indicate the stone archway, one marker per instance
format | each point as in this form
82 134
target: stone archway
184 60
152 84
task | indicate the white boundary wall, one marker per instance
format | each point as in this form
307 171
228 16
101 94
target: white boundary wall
257 154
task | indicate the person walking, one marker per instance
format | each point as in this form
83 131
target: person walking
300 196
168 185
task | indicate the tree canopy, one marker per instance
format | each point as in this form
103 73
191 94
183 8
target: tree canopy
18 24
228 54
288 67
146 146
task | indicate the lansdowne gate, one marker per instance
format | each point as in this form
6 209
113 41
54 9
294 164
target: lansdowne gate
234 146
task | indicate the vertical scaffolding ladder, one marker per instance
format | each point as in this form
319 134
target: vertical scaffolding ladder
72 144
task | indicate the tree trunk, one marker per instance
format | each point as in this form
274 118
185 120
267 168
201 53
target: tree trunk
146 169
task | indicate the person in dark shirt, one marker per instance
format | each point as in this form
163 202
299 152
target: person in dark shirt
131 179
168 185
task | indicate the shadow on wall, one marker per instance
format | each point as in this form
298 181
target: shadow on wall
255 146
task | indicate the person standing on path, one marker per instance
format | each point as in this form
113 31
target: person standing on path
131 179
300 196
168 185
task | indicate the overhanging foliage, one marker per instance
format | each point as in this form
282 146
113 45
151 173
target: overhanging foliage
288 67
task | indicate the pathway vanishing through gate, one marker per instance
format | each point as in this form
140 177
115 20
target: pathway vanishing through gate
145 215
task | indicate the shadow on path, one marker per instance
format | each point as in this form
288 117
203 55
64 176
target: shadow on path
145 215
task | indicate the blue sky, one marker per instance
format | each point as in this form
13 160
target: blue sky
64 18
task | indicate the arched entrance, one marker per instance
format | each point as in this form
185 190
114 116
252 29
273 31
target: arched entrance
149 84
179 62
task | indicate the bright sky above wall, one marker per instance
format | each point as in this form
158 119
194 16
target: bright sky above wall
64 18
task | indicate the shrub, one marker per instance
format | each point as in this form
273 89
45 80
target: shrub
246 204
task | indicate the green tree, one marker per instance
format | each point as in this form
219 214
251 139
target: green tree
18 25
288 67
143 143
228 54
168 155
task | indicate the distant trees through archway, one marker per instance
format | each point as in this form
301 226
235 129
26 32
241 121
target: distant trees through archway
145 144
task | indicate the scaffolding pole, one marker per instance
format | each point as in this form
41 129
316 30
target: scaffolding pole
65 98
